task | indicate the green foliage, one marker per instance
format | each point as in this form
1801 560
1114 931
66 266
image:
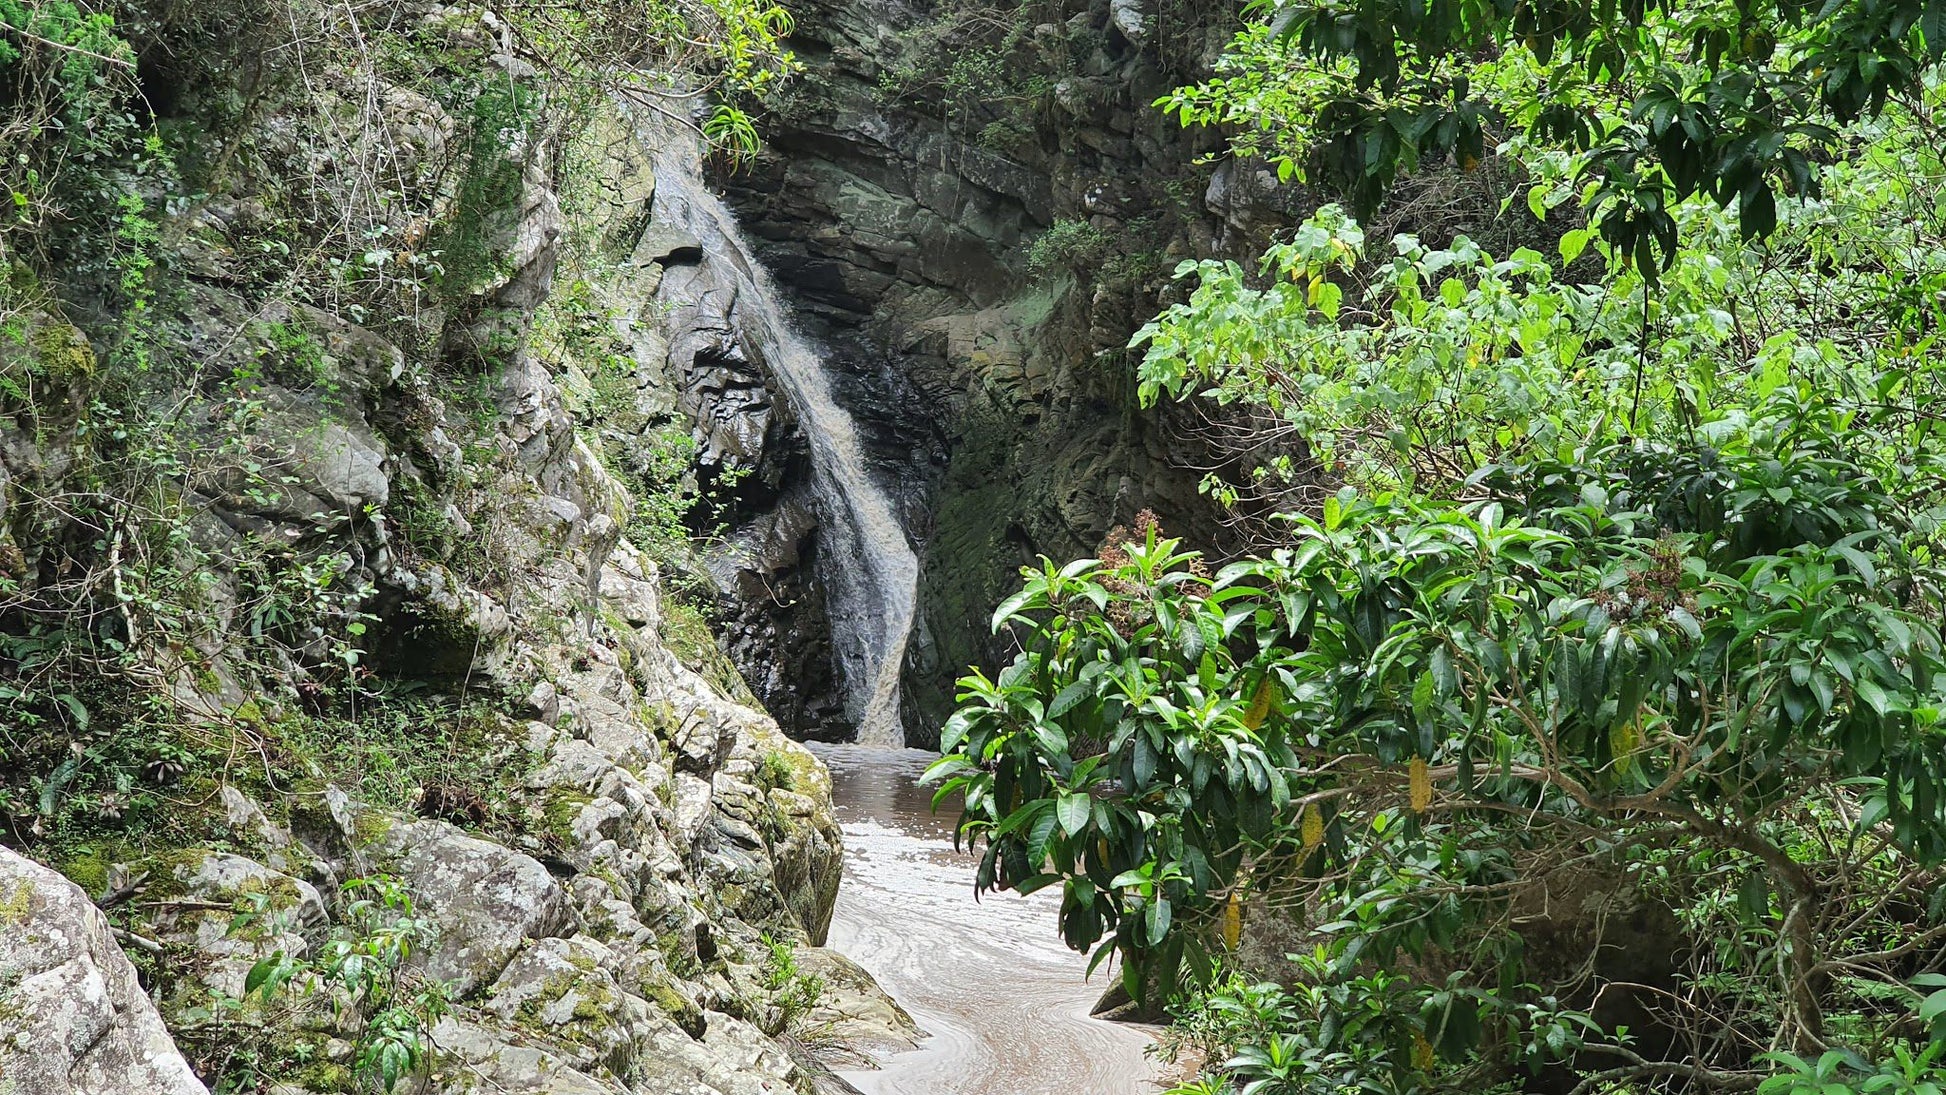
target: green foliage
1633 652
345 226
362 969
502 117
1406 365
1336 1032
1564 562
1274 1044
94 763
1629 640
669 493
793 992
402 748
1121 257
674 505
68 72
1842 1071
732 131
776 771
1620 652
1732 100
976 65
1068 246
729 53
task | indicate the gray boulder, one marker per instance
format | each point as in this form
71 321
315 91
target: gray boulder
485 900
73 1019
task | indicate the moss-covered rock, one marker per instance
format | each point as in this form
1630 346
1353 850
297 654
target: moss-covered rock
385 541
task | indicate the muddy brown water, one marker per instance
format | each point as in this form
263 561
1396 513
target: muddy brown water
1004 1004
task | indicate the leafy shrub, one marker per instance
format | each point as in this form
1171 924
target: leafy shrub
361 969
1069 245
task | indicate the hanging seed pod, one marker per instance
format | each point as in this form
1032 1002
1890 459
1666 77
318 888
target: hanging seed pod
1232 921
1260 704
1623 741
1311 826
1421 785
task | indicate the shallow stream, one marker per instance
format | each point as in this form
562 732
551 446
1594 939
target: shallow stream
1005 1004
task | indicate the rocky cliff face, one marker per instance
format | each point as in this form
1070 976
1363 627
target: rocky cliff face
973 207
386 670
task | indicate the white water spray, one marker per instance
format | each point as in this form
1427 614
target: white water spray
870 574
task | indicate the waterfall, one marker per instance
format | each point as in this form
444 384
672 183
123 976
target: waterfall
865 563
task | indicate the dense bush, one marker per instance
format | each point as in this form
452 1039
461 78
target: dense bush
1584 559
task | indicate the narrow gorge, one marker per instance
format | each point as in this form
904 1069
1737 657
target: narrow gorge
972 547
972 270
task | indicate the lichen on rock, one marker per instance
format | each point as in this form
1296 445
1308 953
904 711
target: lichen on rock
73 1018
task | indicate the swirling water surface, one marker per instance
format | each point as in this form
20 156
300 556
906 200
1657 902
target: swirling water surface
1004 1003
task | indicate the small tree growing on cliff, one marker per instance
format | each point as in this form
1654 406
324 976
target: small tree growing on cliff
362 970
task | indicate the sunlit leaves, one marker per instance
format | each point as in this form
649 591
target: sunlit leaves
1604 651
1729 100
1453 358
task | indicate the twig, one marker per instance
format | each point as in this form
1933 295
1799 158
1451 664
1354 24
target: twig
137 941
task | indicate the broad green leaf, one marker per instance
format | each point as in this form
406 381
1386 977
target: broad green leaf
1072 810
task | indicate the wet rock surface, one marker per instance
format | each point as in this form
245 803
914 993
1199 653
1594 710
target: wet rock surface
901 226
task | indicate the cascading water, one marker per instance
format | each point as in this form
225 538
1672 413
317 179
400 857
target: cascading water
868 568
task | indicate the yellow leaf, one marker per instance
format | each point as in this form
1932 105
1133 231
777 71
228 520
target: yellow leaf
1623 741
1311 826
1421 1052
1232 921
1260 704
1421 785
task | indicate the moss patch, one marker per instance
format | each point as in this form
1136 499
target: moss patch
62 353
14 903
689 637
561 809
